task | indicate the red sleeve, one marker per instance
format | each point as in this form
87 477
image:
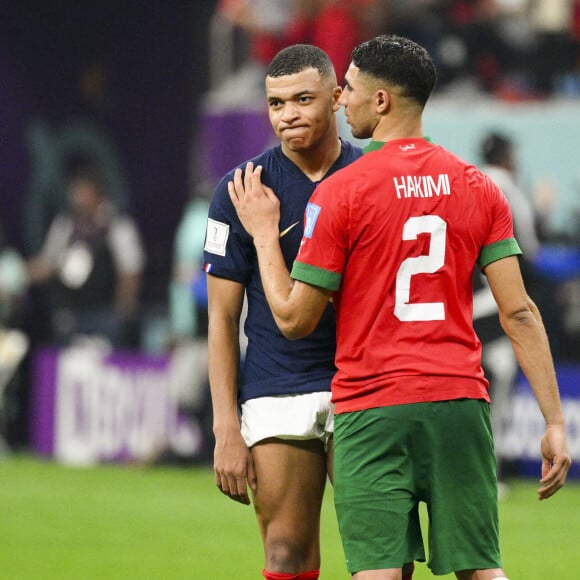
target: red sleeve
325 241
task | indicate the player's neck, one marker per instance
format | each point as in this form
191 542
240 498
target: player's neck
402 127
315 163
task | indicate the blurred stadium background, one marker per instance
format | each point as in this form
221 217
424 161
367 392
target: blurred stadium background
171 88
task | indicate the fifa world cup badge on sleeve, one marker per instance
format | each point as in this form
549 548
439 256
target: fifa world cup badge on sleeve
312 213
216 237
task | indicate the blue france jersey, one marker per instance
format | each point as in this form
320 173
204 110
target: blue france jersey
273 365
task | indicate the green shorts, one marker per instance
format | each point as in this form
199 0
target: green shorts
388 459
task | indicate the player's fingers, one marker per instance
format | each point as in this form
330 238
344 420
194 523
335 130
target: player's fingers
257 176
554 478
248 175
235 188
238 183
556 467
242 491
222 484
229 486
253 178
237 490
547 491
220 480
233 194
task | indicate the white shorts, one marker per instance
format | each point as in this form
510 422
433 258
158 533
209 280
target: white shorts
303 416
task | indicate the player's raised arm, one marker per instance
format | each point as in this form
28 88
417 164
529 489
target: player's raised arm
296 307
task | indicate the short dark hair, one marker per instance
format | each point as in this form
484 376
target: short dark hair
398 61
298 57
495 147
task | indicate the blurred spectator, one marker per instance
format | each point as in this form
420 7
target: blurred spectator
262 24
13 285
91 263
514 49
189 378
553 25
187 294
336 26
497 152
55 139
482 41
498 359
13 342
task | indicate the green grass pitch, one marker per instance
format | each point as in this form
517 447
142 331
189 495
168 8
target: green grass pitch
171 523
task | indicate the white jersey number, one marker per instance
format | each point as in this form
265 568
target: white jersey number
407 311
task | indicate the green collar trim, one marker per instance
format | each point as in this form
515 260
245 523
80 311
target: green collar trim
376 145
373 146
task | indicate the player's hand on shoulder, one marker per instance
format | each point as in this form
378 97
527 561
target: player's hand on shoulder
256 204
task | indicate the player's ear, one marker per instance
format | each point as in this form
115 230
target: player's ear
336 92
382 100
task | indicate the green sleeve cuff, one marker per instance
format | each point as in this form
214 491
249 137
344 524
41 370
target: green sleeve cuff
316 276
497 251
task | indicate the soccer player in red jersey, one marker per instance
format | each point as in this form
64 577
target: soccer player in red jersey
394 239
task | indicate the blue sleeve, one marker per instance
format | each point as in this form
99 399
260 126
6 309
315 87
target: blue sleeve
228 250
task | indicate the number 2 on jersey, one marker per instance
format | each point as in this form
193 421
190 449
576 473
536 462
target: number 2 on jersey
407 311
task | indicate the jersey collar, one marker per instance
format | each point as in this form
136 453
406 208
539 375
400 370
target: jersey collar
376 145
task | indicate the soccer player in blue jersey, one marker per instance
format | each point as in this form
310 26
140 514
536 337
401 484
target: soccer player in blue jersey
282 446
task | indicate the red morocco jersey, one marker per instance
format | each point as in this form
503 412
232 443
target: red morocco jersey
397 234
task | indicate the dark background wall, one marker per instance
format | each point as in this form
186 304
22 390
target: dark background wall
155 57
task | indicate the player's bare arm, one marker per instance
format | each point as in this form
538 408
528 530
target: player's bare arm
522 323
233 465
297 307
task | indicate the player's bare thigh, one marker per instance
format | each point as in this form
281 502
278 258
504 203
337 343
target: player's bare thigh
291 477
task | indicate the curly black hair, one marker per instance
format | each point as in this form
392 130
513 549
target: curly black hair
398 61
